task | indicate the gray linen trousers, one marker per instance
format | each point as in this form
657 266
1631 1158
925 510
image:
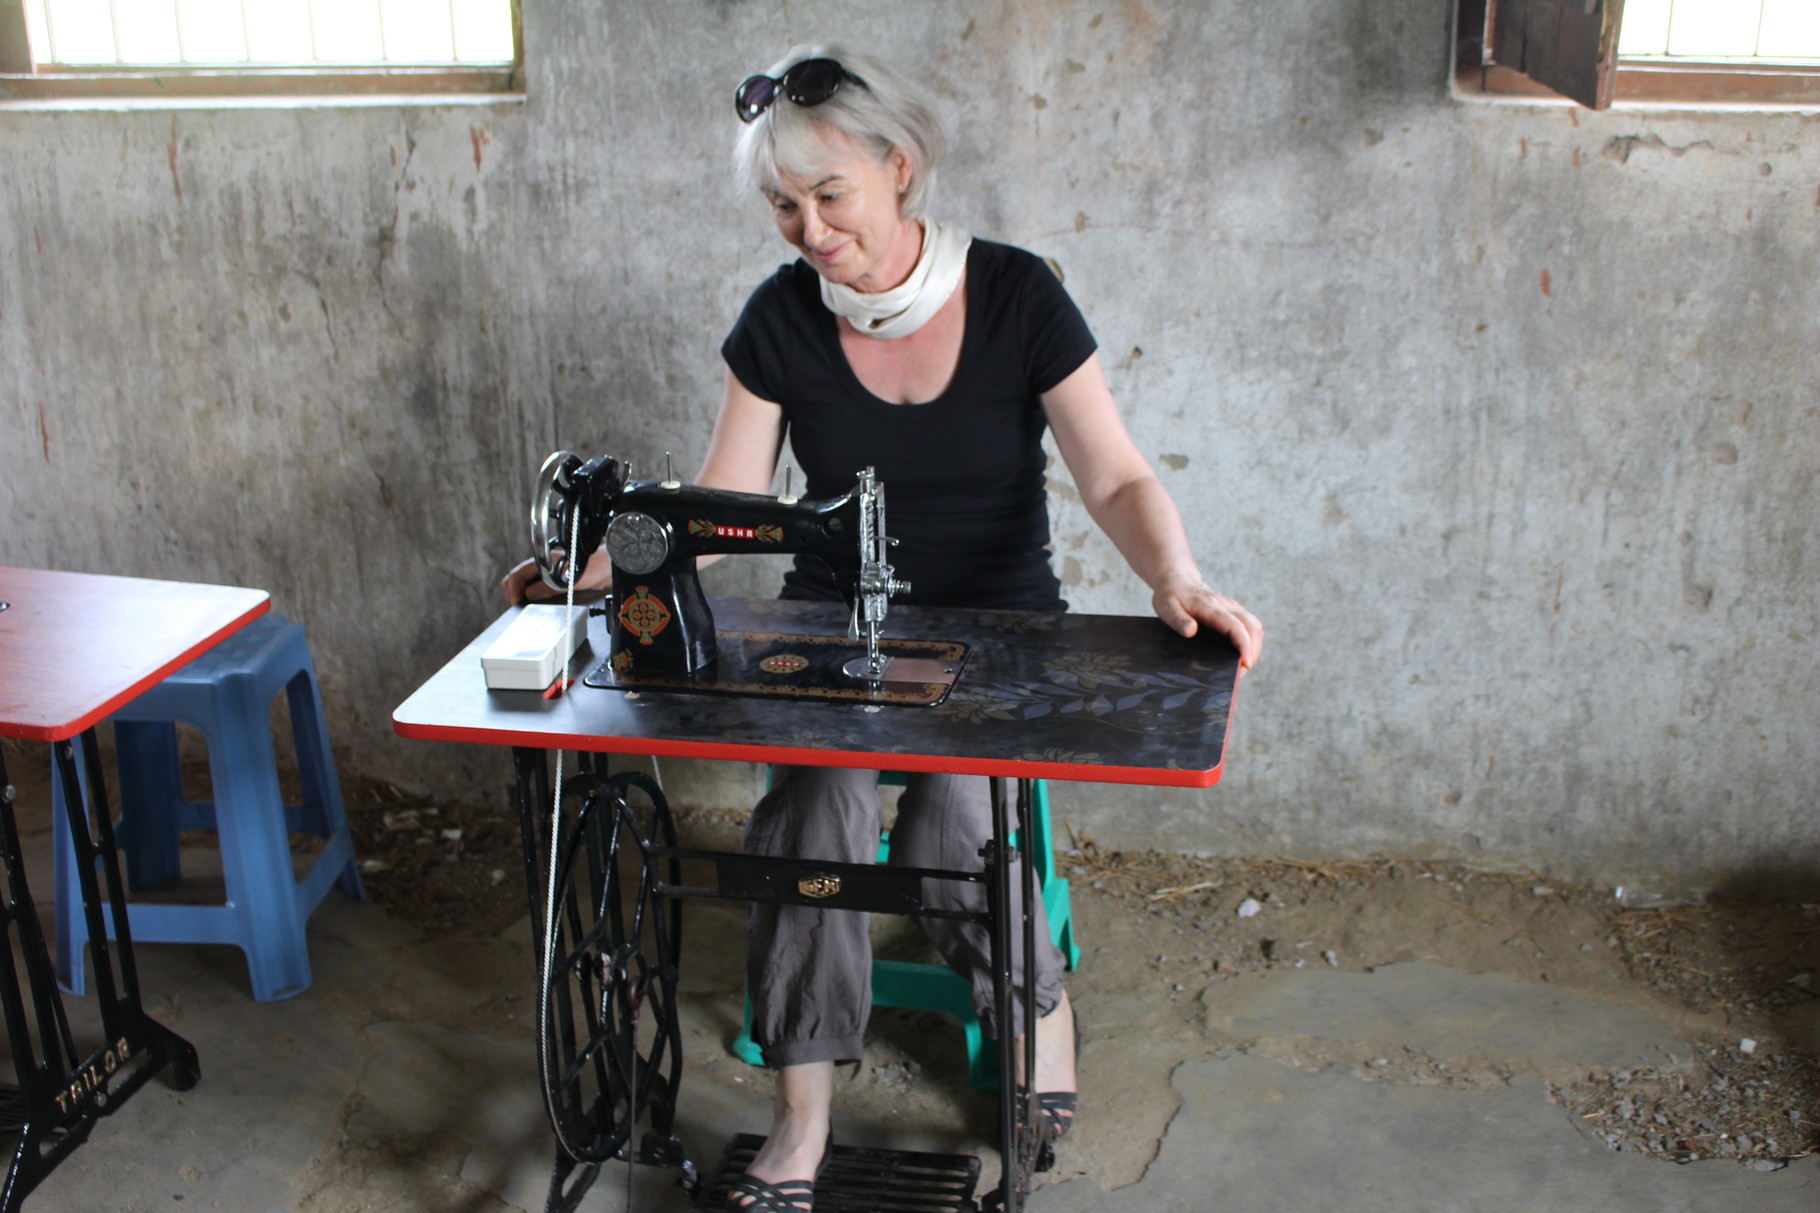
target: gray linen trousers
810 970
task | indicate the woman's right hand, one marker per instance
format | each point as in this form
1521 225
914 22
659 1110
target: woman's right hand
525 582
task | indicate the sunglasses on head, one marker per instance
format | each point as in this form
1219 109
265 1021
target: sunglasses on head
808 83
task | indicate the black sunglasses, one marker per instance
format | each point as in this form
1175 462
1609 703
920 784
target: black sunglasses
810 82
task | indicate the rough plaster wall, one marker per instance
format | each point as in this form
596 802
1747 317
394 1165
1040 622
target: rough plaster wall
1502 417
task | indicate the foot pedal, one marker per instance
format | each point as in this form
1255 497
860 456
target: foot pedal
14 1112
859 1180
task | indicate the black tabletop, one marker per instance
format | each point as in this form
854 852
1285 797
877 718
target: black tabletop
1097 698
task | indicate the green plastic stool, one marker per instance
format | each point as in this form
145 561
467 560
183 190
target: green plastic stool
936 987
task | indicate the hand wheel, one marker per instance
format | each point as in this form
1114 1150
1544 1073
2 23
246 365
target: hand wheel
610 1047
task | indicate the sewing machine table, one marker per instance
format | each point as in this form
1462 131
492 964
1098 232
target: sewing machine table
74 647
1062 697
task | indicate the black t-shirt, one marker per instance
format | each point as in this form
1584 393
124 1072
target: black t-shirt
963 473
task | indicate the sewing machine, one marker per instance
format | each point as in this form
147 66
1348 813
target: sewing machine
662 633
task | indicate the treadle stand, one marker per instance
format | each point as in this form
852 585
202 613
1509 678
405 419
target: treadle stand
611 957
61 1093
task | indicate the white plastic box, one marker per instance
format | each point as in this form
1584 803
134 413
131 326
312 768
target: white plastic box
528 655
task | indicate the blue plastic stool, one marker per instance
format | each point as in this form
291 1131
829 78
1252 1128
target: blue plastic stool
226 694
936 987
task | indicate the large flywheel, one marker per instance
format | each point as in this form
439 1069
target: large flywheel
551 508
610 1048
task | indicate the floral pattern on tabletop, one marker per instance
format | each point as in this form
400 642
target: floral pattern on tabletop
1099 685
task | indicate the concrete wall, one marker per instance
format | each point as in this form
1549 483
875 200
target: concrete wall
1502 417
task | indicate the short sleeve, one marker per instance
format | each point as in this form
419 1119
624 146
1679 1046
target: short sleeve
753 349
1056 335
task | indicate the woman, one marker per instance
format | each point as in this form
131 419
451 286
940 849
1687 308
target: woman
906 346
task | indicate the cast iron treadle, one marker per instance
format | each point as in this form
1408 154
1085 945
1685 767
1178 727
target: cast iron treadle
859 1180
14 1112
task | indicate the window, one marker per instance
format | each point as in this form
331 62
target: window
1750 52
194 48
1720 29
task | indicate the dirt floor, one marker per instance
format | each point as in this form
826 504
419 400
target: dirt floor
1174 948
442 866
1736 978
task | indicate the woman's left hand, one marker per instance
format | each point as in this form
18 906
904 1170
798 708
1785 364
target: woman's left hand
1131 505
1189 606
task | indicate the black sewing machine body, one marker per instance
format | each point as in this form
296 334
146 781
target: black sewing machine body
661 630
660 618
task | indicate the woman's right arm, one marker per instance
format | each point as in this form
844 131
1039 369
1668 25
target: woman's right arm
742 456
743 450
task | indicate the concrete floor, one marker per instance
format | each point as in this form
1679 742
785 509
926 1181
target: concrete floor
404 1080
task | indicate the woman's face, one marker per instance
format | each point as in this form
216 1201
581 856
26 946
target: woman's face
844 218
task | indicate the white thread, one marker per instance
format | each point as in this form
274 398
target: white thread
549 922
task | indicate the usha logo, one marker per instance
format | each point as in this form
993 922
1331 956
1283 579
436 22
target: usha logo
702 528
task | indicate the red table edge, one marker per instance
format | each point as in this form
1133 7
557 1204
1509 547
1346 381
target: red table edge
90 719
1074 772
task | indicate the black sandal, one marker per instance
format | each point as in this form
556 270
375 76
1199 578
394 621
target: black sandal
788 1196
784 1196
1057 1108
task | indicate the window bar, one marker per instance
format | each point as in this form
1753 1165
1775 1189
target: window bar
183 54
50 34
1669 34
309 11
113 21
385 54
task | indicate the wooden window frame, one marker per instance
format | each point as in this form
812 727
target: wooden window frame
1653 82
22 80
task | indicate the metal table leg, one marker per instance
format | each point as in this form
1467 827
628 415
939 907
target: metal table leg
60 1092
1022 1151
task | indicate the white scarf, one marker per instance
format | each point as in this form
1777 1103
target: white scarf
905 308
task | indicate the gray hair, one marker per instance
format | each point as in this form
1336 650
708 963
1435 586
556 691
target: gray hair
884 111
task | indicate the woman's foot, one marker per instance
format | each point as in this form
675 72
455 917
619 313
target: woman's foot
757 1196
1057 1108
1058 1047
784 1169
